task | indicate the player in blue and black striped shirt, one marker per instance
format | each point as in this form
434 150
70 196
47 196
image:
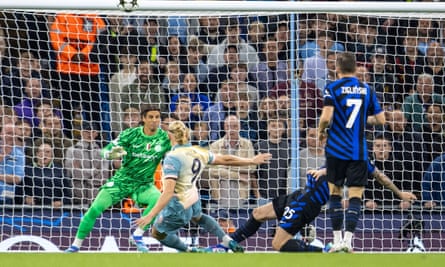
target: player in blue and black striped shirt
300 208
348 106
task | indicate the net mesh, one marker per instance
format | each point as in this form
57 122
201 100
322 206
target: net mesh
72 81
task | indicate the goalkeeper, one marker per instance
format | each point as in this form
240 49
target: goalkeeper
141 149
299 208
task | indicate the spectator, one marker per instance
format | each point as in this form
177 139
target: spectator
171 83
151 39
84 165
173 51
240 76
8 94
432 134
7 115
230 186
433 184
144 89
362 38
73 37
34 94
200 134
311 48
407 148
131 119
45 182
247 117
51 131
125 76
271 71
383 78
210 31
199 102
256 35
223 107
107 50
283 38
435 65
183 111
409 63
27 67
415 105
426 34
221 73
312 156
193 62
267 110
247 52
272 179
377 196
12 163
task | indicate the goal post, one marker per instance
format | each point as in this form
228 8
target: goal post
271 61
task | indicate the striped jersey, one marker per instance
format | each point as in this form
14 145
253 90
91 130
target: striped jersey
353 101
185 163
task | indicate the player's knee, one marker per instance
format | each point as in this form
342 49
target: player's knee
355 192
258 215
157 235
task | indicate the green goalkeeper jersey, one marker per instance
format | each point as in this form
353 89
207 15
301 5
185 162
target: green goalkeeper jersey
143 156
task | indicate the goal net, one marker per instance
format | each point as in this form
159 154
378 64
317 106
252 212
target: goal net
245 78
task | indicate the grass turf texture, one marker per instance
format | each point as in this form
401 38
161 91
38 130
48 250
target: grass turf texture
217 260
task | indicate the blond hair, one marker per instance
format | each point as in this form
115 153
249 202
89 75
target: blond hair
180 132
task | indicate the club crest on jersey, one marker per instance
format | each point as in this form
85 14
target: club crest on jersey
158 148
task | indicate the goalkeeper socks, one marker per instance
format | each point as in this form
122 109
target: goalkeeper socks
294 245
211 225
77 242
138 232
246 230
336 212
173 241
352 214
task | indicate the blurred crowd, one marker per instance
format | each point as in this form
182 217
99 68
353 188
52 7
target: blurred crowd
72 82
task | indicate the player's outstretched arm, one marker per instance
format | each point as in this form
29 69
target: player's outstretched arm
386 182
231 160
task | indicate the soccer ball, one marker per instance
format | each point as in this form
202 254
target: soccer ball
128 5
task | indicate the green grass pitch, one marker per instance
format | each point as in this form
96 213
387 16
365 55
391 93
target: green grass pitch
219 260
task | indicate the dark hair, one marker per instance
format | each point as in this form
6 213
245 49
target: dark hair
346 62
145 108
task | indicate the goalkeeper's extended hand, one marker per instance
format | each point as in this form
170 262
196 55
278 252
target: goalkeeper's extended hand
116 152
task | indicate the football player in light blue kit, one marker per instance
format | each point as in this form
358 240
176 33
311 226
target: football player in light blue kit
179 202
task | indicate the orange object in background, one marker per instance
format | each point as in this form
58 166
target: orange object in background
227 225
128 206
158 177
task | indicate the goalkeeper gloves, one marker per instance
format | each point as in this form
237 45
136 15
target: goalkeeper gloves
116 152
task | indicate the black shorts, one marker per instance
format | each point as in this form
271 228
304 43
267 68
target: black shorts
347 172
295 210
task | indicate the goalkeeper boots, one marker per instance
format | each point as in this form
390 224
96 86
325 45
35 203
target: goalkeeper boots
139 243
235 247
72 249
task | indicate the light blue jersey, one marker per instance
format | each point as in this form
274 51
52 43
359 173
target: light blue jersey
185 164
